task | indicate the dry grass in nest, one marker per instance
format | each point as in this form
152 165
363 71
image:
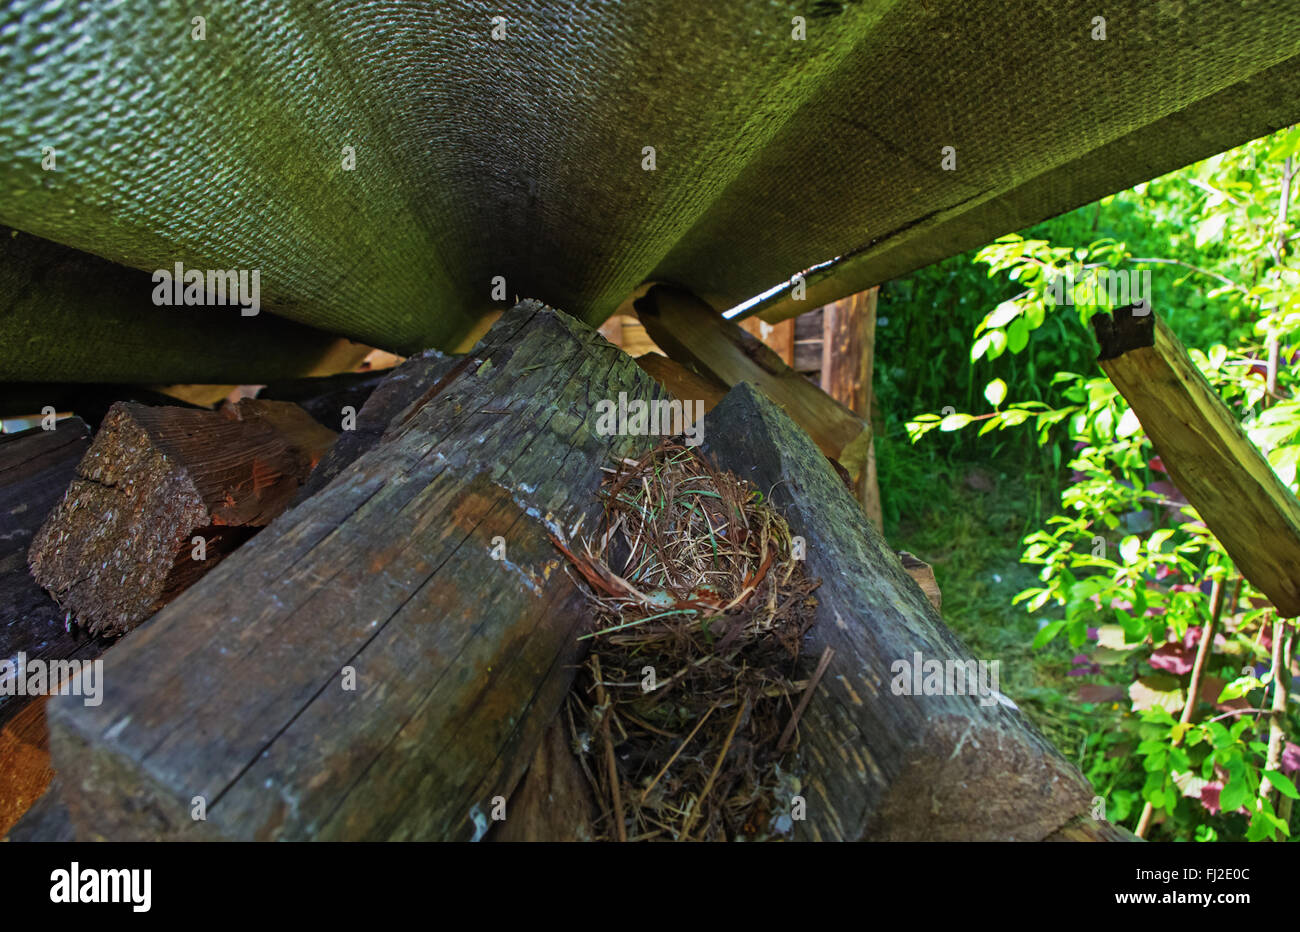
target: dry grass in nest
686 707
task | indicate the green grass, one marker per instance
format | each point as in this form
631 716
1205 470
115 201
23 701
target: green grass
966 519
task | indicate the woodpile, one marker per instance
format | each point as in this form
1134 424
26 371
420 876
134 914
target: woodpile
162 495
392 656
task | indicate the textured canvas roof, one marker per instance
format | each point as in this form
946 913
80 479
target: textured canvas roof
523 157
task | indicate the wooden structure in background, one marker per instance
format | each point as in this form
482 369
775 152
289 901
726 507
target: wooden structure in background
1224 476
848 363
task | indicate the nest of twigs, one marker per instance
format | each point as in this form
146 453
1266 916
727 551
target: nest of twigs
684 714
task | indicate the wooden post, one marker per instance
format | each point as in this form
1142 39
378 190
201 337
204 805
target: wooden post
778 337
883 759
689 331
1225 478
381 662
848 361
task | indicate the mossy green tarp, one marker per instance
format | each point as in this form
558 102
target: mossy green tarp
523 156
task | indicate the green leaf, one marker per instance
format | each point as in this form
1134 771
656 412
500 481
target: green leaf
1017 335
1048 632
1128 425
1210 229
1002 315
1283 784
1235 793
954 422
996 392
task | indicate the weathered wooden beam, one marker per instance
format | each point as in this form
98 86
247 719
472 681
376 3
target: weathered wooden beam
326 398
238 692
848 362
553 801
420 377
680 382
122 542
690 331
880 761
1224 476
778 337
36 467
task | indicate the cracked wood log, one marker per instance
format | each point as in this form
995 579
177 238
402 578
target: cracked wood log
121 544
414 378
36 467
1202 445
882 762
386 576
690 331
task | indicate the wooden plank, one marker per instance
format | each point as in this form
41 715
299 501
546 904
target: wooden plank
612 330
1225 478
880 762
326 397
848 361
680 382
553 801
421 376
235 692
120 544
36 467
808 356
778 337
636 341
691 332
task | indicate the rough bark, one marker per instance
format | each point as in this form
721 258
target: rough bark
879 764
235 692
1202 445
120 544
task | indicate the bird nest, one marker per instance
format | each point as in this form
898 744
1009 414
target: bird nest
684 714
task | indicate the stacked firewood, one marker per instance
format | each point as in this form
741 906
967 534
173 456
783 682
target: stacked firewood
378 637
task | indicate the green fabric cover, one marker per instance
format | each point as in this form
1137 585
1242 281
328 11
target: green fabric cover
522 157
